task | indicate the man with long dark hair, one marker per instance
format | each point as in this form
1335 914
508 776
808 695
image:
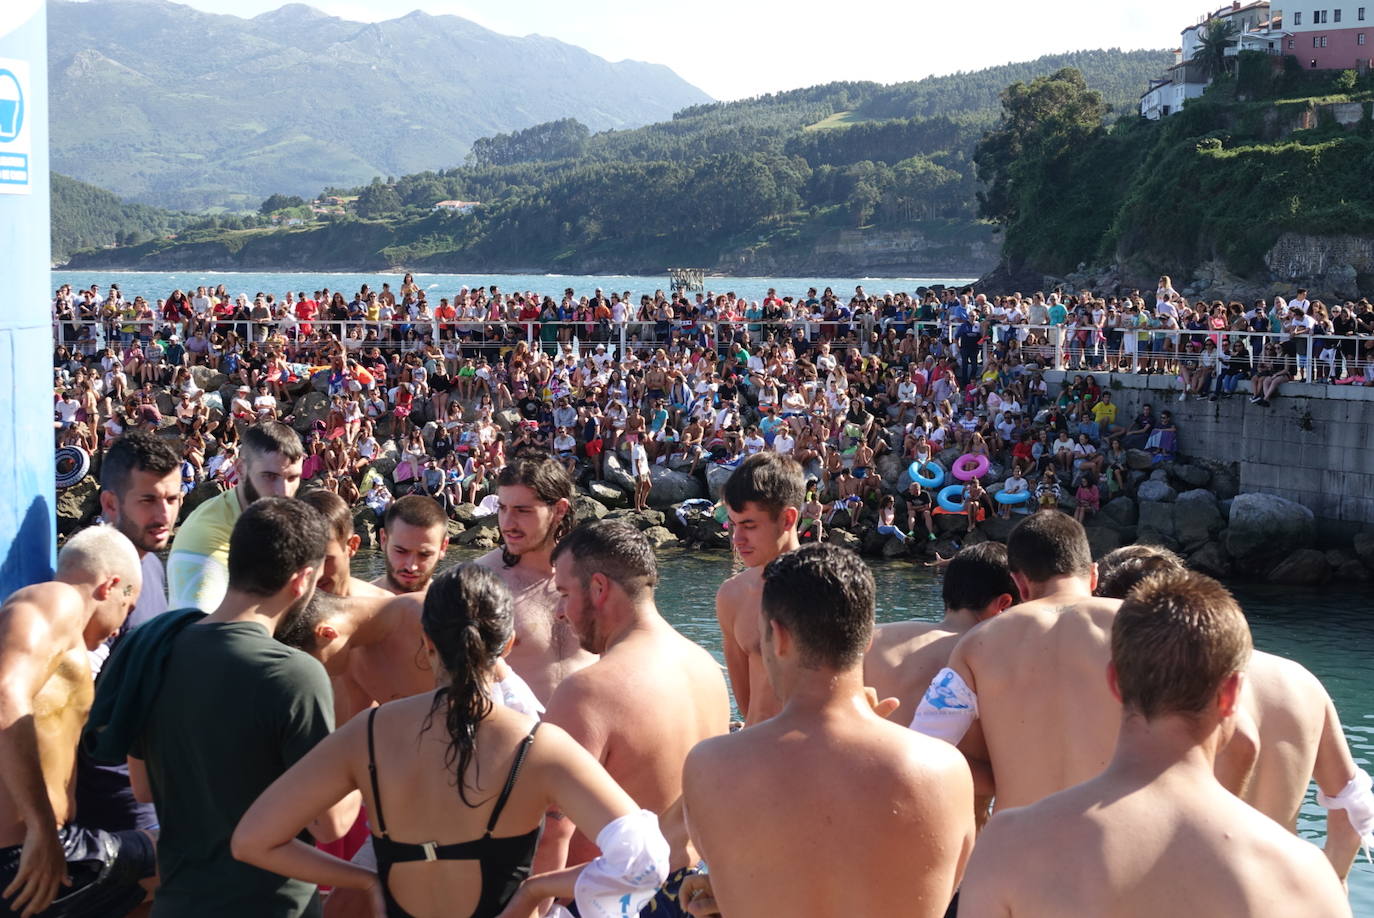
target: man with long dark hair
534 511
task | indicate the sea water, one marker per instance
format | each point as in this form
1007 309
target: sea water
153 286
1328 630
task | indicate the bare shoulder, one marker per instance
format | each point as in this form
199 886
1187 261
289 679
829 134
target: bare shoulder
55 603
493 560
366 589
898 636
1287 678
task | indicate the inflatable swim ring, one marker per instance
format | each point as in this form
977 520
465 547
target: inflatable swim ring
1020 497
73 464
934 477
968 467
946 498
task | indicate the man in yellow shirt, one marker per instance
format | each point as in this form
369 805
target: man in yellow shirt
1104 413
198 566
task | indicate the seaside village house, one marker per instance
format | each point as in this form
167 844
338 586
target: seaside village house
457 207
1320 34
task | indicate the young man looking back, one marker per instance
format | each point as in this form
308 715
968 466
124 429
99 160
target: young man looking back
763 498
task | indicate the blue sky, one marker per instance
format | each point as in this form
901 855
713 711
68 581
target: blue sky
738 48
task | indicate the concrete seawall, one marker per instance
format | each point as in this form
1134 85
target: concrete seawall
1314 446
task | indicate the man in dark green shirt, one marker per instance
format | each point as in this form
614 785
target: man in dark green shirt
236 709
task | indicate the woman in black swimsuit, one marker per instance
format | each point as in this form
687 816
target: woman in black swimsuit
455 785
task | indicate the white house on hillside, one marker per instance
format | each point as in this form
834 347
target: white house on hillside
457 207
1255 29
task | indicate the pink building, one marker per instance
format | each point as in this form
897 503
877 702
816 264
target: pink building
1327 35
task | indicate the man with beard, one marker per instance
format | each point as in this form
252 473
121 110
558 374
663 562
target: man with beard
269 466
413 540
642 706
233 710
534 511
140 495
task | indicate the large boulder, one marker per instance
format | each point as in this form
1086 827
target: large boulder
892 468
1211 559
586 508
1225 484
1194 476
478 538
1197 517
716 476
199 495
669 487
507 420
1153 490
1157 516
659 535
1302 567
616 471
77 505
843 538
207 379
639 519
1364 548
998 529
1139 460
1264 527
1353 572
1119 511
607 494
1102 539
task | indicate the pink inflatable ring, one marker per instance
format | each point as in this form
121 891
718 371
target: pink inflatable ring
968 467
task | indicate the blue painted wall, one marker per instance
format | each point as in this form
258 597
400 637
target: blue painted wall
27 523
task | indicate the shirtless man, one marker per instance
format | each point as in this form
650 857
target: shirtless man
534 511
1028 682
650 698
1155 832
827 810
46 633
906 656
763 498
337 576
1300 733
413 540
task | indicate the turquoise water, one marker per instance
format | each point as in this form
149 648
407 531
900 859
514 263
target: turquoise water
153 285
1329 631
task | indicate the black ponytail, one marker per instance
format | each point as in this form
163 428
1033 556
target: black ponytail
469 618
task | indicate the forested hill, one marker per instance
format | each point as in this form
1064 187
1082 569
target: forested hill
775 183
87 217
173 106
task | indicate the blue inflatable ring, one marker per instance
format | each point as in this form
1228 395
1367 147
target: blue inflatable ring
946 498
963 471
934 479
1020 497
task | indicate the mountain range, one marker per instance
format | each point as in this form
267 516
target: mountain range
167 105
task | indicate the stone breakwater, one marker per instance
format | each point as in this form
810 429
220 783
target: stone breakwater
1272 495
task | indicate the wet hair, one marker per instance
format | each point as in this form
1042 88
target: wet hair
1049 544
469 617
977 575
618 550
415 510
141 451
335 511
272 437
548 478
1121 569
771 480
272 540
298 630
823 595
1177 638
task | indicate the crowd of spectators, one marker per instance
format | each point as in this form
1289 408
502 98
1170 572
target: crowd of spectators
679 380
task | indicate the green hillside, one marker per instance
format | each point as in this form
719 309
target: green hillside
1261 154
87 217
740 182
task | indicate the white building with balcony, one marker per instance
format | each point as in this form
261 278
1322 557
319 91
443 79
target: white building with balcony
1255 28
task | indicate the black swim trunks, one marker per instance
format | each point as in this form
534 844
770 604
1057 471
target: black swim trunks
105 869
665 903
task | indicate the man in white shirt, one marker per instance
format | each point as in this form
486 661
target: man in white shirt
784 442
67 407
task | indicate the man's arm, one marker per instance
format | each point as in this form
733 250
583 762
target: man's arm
1333 771
27 645
579 710
736 660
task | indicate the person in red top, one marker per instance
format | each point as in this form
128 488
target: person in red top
305 313
445 314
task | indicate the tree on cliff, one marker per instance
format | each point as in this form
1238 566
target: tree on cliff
1210 55
1041 123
